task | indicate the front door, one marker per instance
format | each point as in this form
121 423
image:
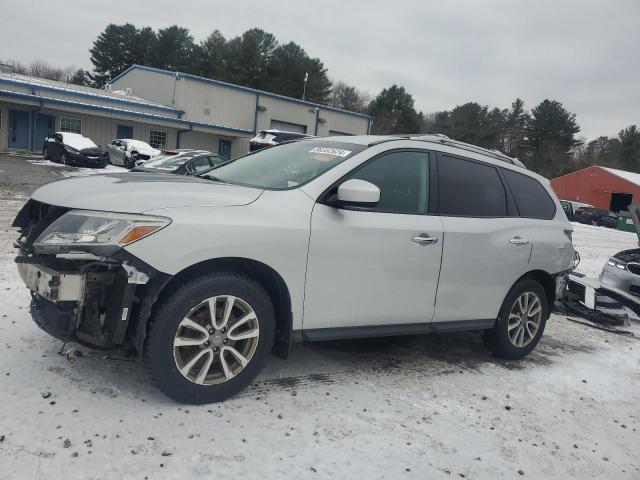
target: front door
224 149
372 267
45 125
124 131
18 129
487 246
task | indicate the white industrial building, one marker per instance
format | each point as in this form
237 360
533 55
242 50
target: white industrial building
167 109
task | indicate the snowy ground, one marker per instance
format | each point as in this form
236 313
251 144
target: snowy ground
413 407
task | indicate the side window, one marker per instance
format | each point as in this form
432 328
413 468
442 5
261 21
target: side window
199 164
470 189
213 161
532 199
403 180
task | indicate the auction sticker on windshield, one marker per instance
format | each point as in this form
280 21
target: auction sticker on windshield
335 152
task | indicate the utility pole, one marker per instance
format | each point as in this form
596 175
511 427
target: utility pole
304 88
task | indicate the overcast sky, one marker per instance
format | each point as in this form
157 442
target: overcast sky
583 53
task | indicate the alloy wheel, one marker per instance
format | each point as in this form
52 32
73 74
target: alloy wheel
216 340
524 319
63 158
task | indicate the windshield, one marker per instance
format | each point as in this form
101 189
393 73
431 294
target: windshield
285 166
165 161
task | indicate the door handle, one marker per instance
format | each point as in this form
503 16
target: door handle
518 241
425 239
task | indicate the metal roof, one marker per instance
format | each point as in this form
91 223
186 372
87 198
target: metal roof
81 91
240 87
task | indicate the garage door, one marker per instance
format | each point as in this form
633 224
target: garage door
288 127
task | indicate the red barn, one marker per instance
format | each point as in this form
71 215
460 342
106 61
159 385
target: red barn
601 187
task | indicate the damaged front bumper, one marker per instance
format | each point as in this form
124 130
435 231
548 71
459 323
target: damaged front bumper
99 302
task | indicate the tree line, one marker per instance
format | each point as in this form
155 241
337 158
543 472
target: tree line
544 138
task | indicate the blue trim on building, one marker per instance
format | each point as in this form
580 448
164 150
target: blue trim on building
56 101
78 93
240 88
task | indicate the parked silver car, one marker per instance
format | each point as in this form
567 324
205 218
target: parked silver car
331 238
126 152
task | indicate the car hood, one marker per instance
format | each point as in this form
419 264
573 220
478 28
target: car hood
141 192
145 151
634 210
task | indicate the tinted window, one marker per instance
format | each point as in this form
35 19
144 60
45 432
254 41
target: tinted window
532 199
470 189
403 180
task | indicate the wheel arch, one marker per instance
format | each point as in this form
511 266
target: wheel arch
267 277
546 280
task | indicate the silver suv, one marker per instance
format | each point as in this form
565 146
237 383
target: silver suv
325 238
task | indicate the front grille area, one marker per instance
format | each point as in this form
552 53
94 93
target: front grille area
634 268
33 219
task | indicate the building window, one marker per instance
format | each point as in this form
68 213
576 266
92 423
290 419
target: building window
71 125
158 139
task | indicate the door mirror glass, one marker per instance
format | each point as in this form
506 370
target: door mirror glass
358 192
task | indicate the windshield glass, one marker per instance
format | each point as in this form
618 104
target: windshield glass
171 162
285 166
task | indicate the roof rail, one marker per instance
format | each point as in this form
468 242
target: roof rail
442 139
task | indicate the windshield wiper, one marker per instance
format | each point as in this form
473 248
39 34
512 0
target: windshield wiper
214 178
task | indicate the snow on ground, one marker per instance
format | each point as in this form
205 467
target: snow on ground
596 244
413 407
67 171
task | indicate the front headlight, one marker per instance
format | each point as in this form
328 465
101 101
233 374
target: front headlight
615 263
86 228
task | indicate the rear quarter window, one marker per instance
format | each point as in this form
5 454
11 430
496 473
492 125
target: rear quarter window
532 199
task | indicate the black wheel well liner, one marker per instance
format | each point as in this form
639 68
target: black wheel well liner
267 277
547 281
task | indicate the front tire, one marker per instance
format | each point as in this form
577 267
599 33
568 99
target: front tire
521 321
45 154
63 158
210 338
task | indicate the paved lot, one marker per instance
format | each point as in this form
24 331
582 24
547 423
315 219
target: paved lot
434 406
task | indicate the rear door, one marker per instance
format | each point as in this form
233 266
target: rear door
376 266
486 245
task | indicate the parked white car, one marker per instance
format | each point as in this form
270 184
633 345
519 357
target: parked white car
331 238
125 152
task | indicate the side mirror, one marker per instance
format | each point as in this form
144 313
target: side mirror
358 193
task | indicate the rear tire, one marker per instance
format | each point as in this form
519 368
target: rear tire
521 321
174 341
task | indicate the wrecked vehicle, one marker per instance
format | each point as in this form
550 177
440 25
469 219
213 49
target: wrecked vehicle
341 237
622 271
74 149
